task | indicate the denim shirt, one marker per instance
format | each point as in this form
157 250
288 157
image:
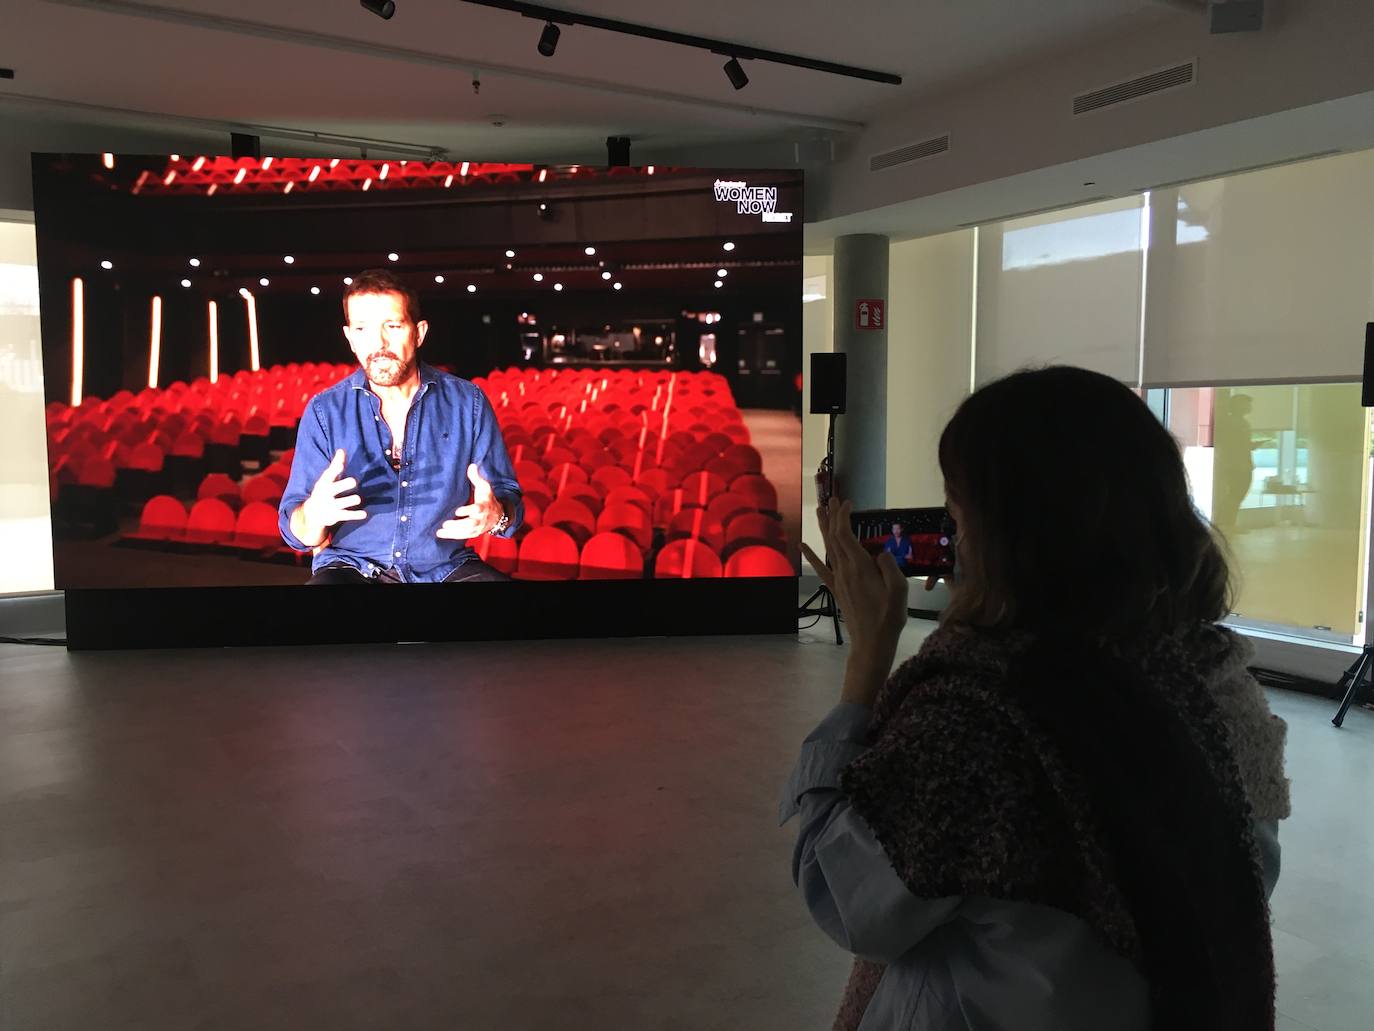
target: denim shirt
450 425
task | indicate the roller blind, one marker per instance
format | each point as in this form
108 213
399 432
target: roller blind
1062 288
1266 276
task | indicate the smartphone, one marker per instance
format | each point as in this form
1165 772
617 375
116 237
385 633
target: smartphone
920 539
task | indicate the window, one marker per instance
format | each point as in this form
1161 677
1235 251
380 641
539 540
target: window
25 520
1283 473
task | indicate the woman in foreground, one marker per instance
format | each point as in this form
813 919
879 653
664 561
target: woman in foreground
1062 813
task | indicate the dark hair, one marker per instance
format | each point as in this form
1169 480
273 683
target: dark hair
1176 831
1075 512
1077 526
380 281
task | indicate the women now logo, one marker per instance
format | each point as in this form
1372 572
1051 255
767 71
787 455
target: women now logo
752 200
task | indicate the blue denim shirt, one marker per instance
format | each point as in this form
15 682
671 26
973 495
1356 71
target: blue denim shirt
449 426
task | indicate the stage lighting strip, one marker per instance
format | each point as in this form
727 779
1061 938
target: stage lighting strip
207 175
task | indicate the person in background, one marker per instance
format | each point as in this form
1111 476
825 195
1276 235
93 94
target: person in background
899 545
1063 811
1234 461
400 465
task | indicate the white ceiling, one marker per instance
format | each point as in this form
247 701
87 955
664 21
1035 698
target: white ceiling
175 58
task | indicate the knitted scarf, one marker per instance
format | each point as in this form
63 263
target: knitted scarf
969 794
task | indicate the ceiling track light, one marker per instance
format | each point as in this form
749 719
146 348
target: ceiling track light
548 39
381 8
553 17
734 71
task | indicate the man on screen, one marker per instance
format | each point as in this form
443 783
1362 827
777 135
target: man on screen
899 545
399 465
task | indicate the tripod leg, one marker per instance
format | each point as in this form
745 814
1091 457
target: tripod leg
1357 674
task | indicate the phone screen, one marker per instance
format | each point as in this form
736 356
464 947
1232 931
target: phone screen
920 539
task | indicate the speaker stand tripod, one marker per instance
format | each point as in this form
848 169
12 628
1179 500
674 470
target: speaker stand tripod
1359 675
824 598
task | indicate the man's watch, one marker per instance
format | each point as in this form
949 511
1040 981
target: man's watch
499 527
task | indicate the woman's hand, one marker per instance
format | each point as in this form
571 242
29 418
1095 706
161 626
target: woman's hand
872 594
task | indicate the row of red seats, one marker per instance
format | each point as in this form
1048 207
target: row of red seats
548 553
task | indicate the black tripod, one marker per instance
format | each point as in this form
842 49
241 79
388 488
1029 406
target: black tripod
824 599
1360 674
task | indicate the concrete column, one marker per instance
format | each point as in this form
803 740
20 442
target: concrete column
861 433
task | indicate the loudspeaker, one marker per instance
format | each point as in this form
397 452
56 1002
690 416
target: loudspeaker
244 145
1235 16
618 151
827 384
1367 384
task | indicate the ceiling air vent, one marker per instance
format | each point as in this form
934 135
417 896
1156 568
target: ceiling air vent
1178 76
911 152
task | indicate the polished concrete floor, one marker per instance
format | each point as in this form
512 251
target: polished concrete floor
499 836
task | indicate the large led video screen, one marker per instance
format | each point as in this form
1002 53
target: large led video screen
310 371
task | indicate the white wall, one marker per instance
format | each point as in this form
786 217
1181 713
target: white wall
1021 119
929 340
25 520
818 332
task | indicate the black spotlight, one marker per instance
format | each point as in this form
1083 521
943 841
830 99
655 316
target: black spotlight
548 39
381 8
735 73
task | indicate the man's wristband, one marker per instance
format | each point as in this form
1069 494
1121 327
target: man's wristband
500 526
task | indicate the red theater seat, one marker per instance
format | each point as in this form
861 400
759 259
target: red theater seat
147 457
629 520
256 528
659 481
539 494
548 554
737 432
667 506
758 490
210 521
561 475
163 519
700 488
695 523
759 561
611 556
573 518
529 470
752 528
718 441
265 488
608 477
687 559
500 553
218 485
189 445
725 507
95 472
584 493
630 496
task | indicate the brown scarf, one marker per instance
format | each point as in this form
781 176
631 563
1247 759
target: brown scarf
969 797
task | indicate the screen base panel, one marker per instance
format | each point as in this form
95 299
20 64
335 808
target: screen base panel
529 610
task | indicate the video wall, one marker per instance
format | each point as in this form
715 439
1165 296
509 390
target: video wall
341 371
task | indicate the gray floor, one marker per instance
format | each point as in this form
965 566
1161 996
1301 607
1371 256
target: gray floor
504 836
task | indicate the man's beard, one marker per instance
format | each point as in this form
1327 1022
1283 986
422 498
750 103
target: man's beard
385 369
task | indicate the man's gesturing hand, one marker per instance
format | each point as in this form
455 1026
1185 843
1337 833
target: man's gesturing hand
331 502
475 519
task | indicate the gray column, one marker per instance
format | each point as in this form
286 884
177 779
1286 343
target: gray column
861 433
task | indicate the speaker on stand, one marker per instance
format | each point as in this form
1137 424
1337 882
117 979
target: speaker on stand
827 398
1360 675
